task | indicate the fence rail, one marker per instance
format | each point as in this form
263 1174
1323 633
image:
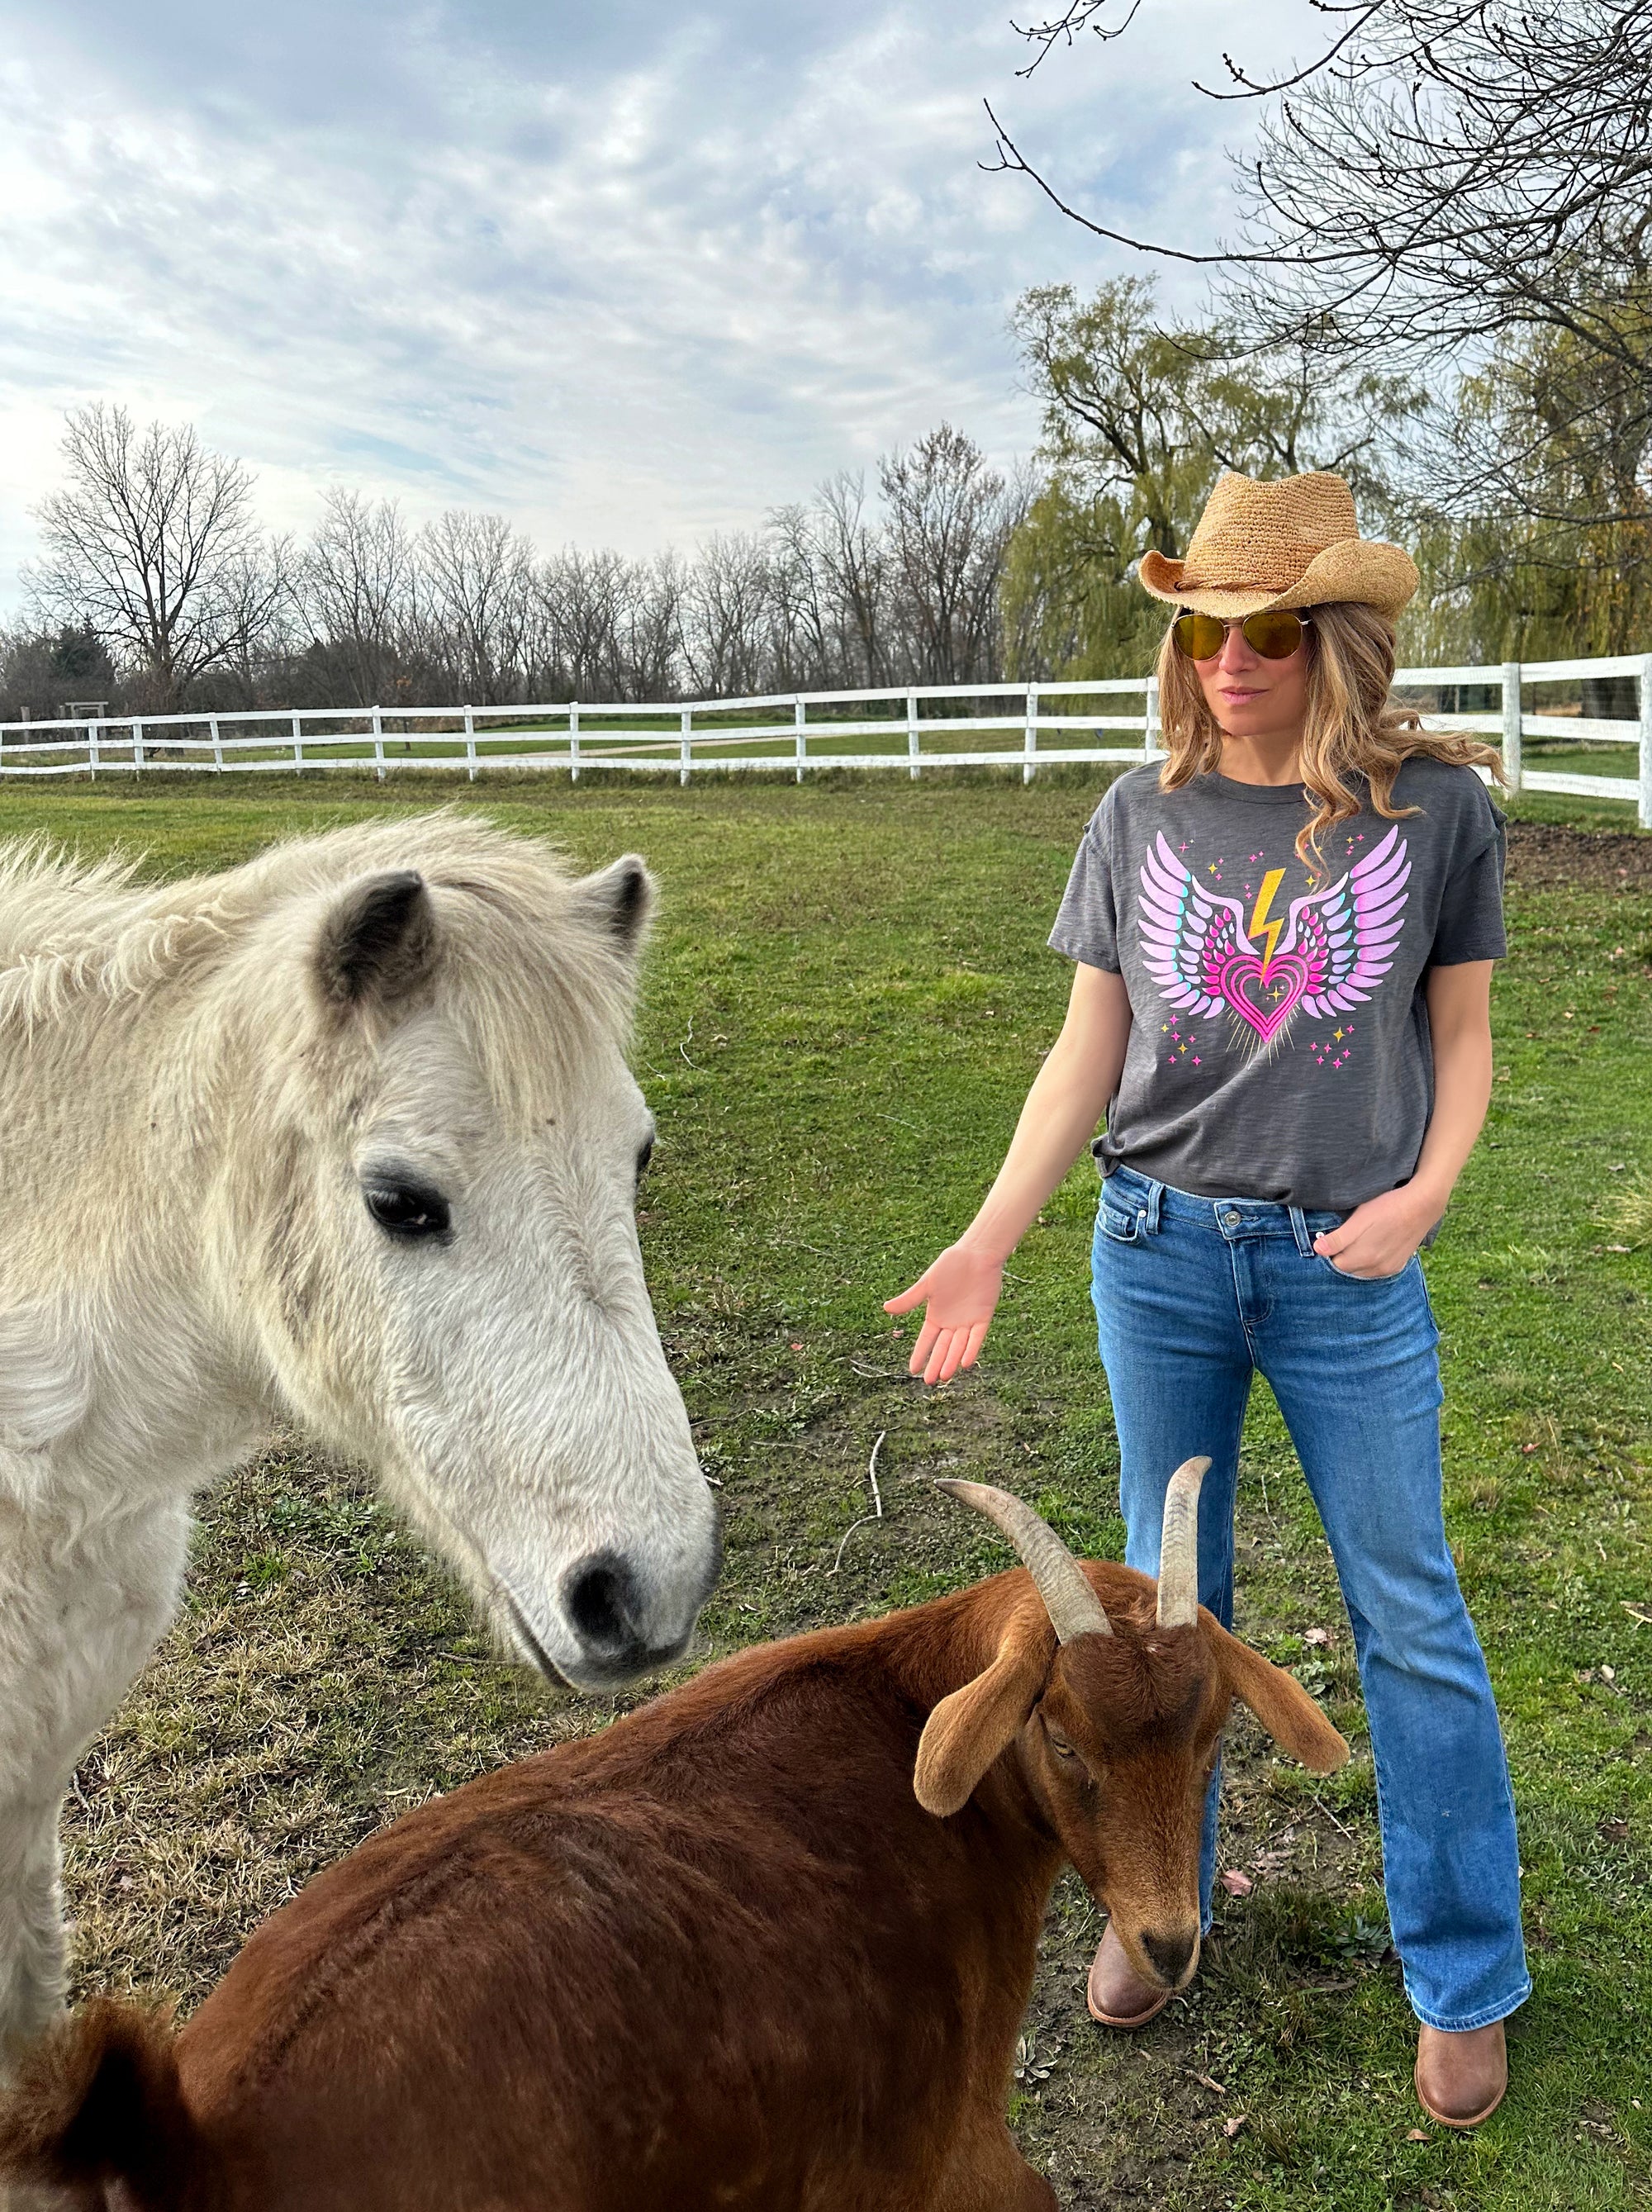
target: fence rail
800 733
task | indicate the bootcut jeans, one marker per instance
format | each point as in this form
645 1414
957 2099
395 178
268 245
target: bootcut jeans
1193 1296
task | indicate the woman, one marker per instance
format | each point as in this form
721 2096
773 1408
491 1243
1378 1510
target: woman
1284 938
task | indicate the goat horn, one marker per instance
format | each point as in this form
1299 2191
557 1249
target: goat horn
1178 1548
1073 1607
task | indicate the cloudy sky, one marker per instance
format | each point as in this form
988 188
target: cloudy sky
629 273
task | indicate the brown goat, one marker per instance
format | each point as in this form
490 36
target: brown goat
763 1945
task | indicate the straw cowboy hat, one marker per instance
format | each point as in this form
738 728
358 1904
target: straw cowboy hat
1294 543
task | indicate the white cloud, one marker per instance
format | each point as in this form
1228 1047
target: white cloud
629 281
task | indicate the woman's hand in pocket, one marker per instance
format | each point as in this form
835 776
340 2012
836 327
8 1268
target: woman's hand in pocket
958 1291
1380 1237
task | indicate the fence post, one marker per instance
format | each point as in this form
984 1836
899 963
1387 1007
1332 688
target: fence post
469 743
379 742
688 745
1645 810
298 746
573 742
1512 731
912 732
800 716
1150 748
1029 768
217 744
93 735
137 744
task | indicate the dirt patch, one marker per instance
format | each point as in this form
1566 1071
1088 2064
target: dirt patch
1547 856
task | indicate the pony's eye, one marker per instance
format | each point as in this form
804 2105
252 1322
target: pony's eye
409 1210
645 1153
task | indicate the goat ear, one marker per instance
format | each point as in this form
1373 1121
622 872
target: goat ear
620 900
378 941
973 1727
1278 1701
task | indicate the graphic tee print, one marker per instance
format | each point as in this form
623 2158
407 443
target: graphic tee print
1279 1046
1324 959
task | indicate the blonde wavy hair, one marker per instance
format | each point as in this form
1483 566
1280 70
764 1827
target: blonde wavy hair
1352 728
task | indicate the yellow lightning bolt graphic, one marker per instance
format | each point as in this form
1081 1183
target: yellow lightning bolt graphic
1259 924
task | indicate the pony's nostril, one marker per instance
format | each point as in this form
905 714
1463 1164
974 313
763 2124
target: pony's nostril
601 1603
1170 1954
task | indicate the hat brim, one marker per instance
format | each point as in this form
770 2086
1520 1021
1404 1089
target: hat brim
1363 570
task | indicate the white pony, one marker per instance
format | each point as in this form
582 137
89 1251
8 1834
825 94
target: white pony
345 1137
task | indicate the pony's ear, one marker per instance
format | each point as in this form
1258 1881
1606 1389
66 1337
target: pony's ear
620 901
1278 1701
970 1729
378 939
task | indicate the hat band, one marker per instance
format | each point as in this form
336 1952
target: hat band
1278 579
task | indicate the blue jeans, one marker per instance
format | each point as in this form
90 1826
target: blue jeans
1192 1296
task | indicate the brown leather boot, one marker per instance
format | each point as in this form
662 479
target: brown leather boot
1115 1993
1460 2077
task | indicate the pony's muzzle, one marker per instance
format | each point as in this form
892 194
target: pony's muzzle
616 1624
624 1628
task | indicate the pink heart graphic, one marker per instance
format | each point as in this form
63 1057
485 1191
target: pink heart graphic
1240 969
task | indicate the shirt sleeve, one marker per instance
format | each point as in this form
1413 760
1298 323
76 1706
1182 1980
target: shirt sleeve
1086 924
1470 924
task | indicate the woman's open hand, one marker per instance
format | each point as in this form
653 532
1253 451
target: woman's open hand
959 1291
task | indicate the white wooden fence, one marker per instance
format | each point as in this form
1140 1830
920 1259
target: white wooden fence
1038 724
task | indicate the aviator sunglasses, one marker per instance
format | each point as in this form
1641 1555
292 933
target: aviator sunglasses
1275 634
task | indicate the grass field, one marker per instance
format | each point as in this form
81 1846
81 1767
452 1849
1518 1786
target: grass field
848 997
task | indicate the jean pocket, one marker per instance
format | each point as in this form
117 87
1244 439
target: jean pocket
1365 1282
1118 1225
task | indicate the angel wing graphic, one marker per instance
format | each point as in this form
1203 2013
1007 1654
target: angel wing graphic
1336 947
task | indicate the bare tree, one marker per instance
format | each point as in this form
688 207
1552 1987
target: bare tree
153 543
584 597
950 519
477 602
727 602
356 580
653 628
260 617
854 554
801 620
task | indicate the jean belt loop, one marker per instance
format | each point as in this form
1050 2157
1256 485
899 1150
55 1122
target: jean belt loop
1155 1206
1299 1224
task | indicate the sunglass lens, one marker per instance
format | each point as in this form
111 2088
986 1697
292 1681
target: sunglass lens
1199 636
1275 634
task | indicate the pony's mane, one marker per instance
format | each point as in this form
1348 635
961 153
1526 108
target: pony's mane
533 977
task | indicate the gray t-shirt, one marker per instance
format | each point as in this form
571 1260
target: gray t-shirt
1279 1048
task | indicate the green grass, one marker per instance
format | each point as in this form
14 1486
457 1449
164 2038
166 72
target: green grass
848 995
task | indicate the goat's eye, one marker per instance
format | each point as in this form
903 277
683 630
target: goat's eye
1059 1742
408 1210
645 1153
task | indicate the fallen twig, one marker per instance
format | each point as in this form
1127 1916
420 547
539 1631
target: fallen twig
877 1514
1332 1818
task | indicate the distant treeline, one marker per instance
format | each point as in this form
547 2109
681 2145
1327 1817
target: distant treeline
159 589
